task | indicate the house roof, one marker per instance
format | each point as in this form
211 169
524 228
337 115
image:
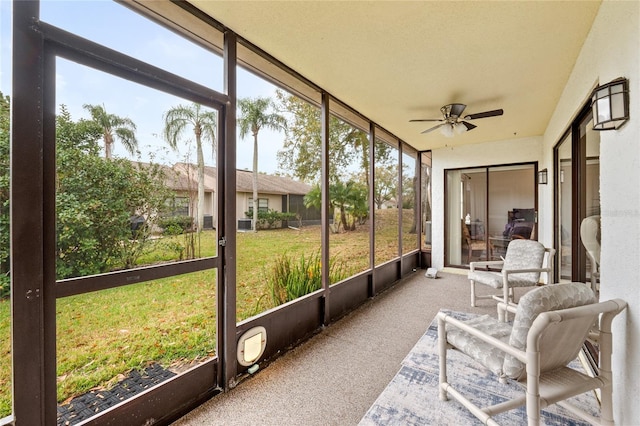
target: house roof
270 184
188 177
174 178
399 60
183 176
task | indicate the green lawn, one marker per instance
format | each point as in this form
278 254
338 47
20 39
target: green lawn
5 357
103 335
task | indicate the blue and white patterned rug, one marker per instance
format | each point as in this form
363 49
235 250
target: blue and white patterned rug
411 398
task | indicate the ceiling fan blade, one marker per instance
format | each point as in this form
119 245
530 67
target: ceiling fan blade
485 114
433 128
469 126
425 119
456 110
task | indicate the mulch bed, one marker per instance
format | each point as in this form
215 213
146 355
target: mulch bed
88 405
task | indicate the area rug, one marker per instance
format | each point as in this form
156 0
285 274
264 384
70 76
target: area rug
411 398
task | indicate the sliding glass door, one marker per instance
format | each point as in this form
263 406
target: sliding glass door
577 165
564 191
486 208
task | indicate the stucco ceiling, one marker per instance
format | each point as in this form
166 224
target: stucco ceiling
394 60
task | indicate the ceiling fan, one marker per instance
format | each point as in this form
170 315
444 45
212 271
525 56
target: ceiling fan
453 121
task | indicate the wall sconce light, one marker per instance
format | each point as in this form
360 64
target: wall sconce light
542 177
610 103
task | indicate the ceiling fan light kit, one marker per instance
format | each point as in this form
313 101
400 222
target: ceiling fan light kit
450 130
451 124
447 130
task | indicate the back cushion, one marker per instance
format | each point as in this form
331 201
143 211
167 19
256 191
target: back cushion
542 299
525 254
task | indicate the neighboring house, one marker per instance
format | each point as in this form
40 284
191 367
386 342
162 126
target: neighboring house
183 179
278 193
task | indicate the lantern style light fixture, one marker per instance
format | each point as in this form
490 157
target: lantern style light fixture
543 177
610 103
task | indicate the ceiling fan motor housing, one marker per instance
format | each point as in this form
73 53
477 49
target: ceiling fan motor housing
451 119
453 110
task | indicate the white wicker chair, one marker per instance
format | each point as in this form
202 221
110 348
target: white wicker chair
548 331
522 265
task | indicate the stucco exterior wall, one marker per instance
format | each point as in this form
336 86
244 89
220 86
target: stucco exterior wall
242 202
612 50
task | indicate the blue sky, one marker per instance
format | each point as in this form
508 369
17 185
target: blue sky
115 26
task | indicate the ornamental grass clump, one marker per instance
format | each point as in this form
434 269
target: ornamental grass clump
289 279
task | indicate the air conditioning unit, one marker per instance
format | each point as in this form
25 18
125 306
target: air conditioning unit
244 224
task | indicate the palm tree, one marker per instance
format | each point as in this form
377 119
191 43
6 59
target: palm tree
350 199
203 123
113 126
256 114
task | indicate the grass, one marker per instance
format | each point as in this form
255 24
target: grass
107 333
103 335
5 357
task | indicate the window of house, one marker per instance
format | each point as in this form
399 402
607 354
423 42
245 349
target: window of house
263 204
179 206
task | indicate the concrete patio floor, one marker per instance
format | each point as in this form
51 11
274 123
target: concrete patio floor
333 378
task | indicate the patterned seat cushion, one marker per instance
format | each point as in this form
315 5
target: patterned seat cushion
492 279
489 356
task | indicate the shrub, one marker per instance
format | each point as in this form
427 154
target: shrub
268 219
176 225
96 200
289 279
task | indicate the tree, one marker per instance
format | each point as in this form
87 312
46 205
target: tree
386 174
385 184
348 157
409 194
203 123
113 126
96 199
301 154
256 114
350 199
